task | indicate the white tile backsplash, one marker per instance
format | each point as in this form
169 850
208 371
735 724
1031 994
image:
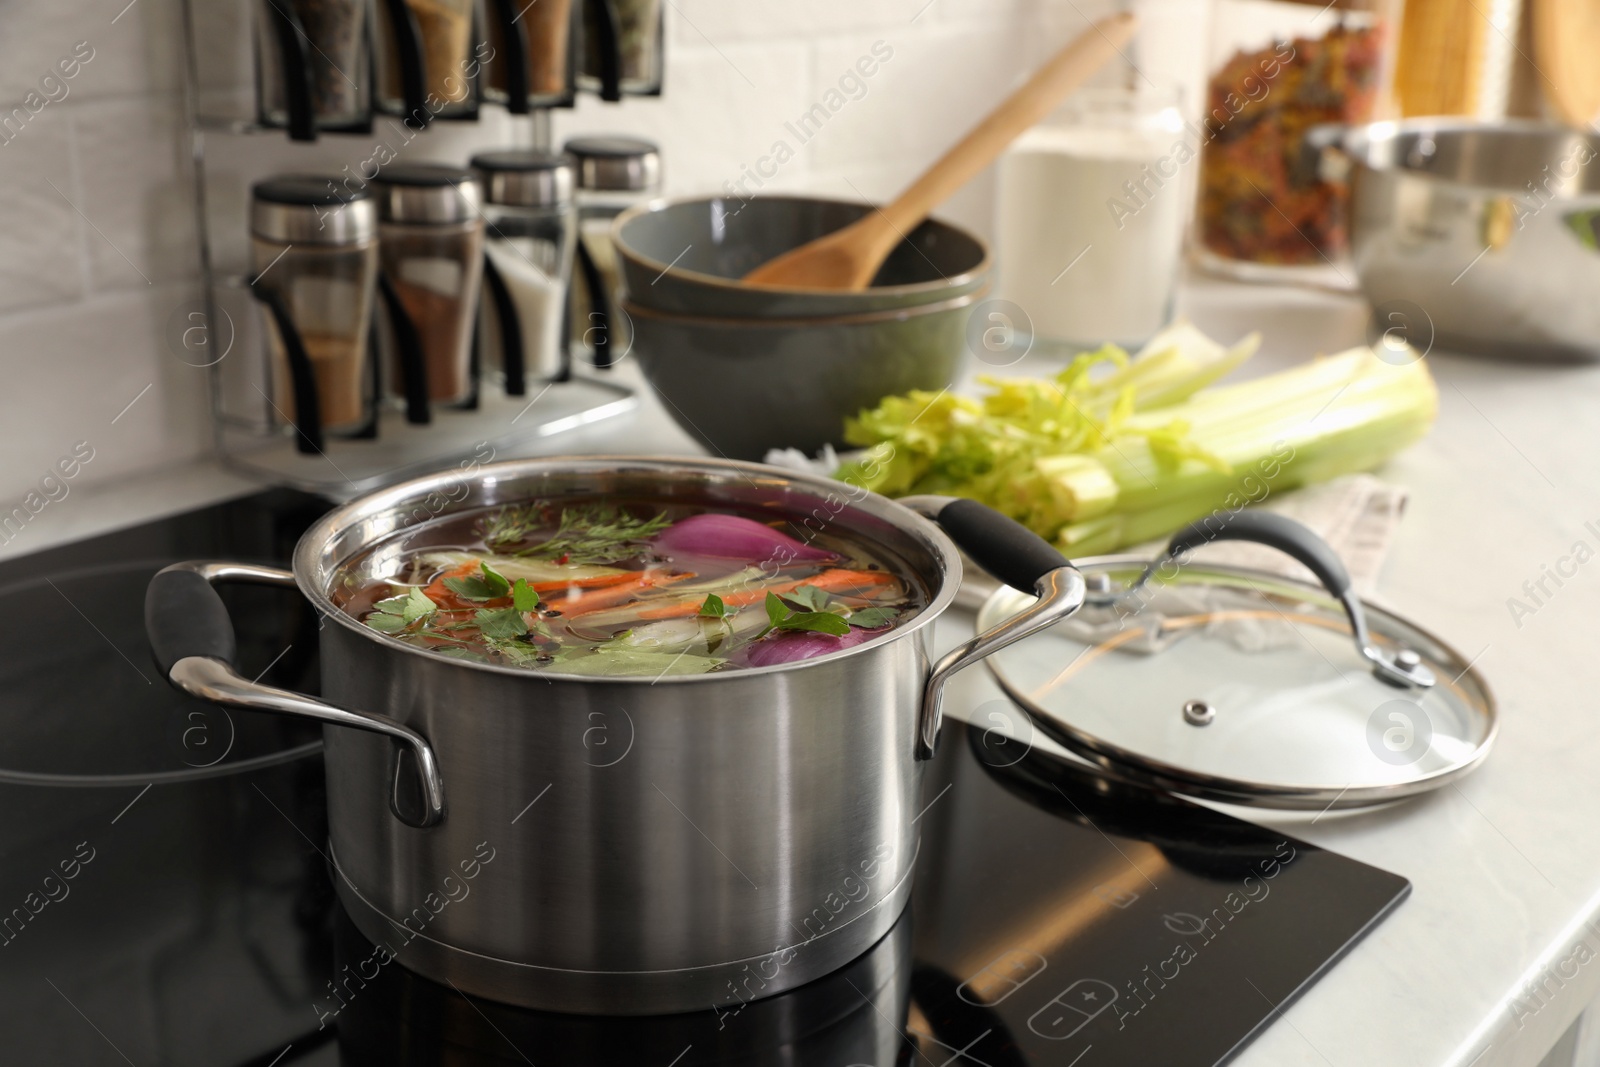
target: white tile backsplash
85 298
43 257
71 373
136 188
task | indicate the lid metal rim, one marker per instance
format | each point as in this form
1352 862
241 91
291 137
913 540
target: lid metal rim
1147 770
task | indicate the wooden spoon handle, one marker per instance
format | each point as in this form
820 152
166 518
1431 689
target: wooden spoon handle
1070 68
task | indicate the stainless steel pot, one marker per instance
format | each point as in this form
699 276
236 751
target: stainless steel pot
633 845
1482 234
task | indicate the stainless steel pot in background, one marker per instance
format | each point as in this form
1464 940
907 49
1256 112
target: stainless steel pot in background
1483 235
622 845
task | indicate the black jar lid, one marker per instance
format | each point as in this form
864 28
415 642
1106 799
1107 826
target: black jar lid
311 209
525 178
428 193
616 164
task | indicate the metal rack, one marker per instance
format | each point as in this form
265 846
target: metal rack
248 437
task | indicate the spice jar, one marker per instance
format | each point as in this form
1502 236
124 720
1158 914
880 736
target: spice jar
614 174
430 247
534 52
622 48
1279 69
1066 195
429 56
315 253
531 234
311 65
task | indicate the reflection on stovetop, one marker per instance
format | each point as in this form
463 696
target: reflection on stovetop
166 904
1060 918
1102 923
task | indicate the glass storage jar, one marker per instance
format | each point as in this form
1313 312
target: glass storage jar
429 55
315 253
311 65
1107 179
430 248
614 174
535 47
1278 70
530 238
622 48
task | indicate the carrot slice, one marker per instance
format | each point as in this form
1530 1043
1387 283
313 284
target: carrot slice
639 583
600 582
868 584
441 594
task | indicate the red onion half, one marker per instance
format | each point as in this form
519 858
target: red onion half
732 537
792 646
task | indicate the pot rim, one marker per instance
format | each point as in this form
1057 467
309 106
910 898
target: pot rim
1360 141
716 281
310 547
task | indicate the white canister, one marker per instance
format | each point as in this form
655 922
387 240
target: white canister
1093 204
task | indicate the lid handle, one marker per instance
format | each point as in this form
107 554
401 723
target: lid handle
1402 668
1264 528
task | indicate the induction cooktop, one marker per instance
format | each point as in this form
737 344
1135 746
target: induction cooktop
164 897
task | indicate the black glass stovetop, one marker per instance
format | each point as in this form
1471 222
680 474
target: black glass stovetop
164 900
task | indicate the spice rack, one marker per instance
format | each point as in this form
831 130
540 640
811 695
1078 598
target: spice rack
224 333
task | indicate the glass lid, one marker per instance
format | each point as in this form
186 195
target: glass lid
1244 686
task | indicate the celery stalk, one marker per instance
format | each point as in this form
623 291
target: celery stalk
1097 462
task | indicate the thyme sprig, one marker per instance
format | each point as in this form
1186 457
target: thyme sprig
585 533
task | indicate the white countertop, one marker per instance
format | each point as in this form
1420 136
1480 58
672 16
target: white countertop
1505 868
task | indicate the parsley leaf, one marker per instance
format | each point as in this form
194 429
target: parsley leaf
418 606
808 598
872 618
713 608
487 584
822 622
782 617
501 625
777 611
516 652
396 613
385 623
524 597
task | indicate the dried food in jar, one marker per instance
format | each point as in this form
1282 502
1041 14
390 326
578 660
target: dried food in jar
1261 199
638 40
546 29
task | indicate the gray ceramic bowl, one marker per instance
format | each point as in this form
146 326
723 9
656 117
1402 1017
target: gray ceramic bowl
685 256
743 386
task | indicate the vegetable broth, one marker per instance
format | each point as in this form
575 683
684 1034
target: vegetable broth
625 588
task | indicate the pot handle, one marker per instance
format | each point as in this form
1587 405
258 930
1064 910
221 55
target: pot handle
1015 555
192 638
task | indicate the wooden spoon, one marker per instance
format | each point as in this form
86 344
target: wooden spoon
849 258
